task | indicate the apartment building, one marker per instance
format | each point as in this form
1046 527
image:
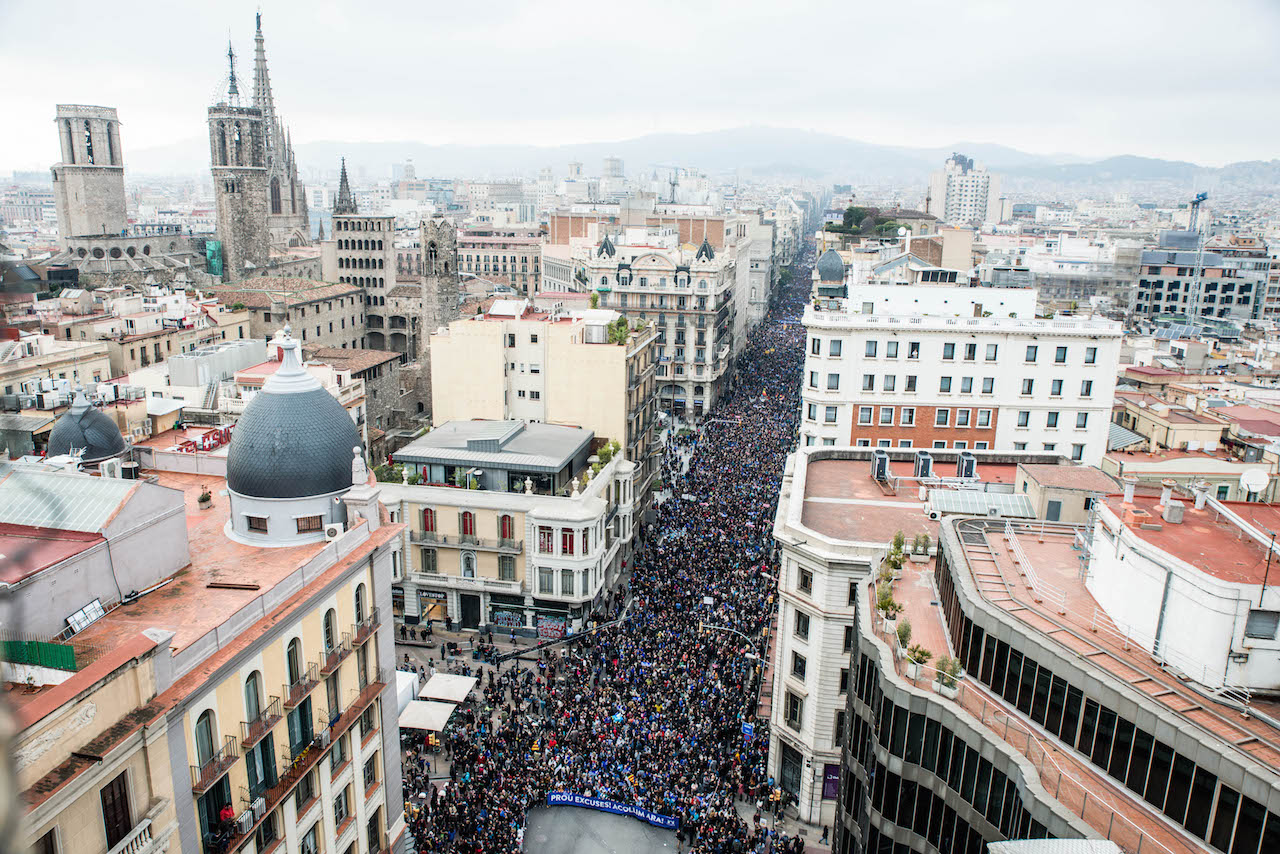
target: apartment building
361 252
322 314
507 255
511 524
964 192
1180 276
254 680
979 374
515 362
27 360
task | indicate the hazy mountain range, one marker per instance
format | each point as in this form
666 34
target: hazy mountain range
750 151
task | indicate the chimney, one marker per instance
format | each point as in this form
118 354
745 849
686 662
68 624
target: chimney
1130 481
1202 494
1166 494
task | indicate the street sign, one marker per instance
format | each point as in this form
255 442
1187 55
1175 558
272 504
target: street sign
748 730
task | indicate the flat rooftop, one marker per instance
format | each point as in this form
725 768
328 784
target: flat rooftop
25 550
843 502
1204 539
522 445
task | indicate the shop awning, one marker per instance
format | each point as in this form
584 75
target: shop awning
445 686
405 685
420 714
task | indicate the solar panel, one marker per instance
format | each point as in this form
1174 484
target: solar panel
971 502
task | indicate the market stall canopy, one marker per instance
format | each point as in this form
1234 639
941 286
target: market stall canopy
425 715
445 686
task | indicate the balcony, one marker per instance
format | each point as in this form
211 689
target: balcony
138 841
470 541
298 691
251 732
295 767
204 776
335 656
363 631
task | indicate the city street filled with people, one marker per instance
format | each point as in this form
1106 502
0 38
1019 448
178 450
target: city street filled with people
650 709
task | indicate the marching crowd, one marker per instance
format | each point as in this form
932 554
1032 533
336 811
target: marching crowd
651 709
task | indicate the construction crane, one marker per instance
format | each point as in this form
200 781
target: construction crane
674 180
1195 210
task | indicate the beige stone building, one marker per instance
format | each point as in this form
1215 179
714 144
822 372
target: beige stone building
28 360
517 362
322 314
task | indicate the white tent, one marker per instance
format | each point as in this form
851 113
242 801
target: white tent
405 685
421 714
444 686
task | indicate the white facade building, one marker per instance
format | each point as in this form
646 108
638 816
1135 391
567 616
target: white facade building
964 192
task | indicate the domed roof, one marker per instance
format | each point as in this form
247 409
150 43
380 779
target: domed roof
831 266
82 427
294 439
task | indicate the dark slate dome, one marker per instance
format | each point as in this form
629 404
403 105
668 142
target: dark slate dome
294 439
831 266
83 427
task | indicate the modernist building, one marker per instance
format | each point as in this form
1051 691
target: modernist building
237 660
963 192
512 524
518 363
1179 276
960 368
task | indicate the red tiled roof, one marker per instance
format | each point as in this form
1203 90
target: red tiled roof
29 550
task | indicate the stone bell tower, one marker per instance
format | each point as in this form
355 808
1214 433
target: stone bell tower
237 147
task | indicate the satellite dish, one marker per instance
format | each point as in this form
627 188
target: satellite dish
902 231
1254 480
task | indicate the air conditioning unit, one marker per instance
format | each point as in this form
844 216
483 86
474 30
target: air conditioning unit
334 530
259 808
324 737
46 400
110 468
244 823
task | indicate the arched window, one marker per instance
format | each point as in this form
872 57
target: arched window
429 520
330 630
293 660
431 257
469 523
111 146
604 280
71 143
506 527
88 143
360 603
468 565
253 696
205 744
237 145
275 195
293 197
379 242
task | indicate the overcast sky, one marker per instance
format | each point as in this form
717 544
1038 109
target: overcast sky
1182 79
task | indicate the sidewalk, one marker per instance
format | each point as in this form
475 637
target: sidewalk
789 824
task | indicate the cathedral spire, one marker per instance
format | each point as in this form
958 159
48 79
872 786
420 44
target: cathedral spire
262 85
320 235
233 90
346 203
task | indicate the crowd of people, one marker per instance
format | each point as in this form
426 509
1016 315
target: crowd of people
650 710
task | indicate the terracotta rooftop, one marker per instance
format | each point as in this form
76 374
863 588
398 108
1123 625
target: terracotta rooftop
25 551
259 293
1084 478
354 360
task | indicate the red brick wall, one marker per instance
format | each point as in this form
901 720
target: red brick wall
924 433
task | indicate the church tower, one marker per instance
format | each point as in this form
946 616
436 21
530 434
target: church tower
439 242
288 218
88 185
237 148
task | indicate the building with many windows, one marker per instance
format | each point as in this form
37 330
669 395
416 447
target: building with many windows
510 524
964 192
959 368
505 255
240 703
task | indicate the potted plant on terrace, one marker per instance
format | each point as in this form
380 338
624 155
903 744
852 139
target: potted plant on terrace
888 608
949 673
205 499
920 548
917 658
904 637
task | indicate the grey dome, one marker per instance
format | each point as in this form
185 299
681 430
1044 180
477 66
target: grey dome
831 266
83 427
293 440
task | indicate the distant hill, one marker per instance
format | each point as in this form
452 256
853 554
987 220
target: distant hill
748 151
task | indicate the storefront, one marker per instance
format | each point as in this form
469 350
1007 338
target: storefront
432 605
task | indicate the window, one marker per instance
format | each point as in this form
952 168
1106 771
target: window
944 385
871 350
911 382
891 350
1051 420
545 541
206 743
966 385
886 416
1060 356
537 395
1082 420
1032 350
970 352
566 541
801 627
890 382
506 568
984 417
1055 388
941 417
813 379
829 416
992 349
310 524
546 584
1028 386
939 444
962 417
794 713
864 414
981 446
116 818
342 806
1090 355
1077 452
811 412
908 418
868 382
1019 446
1223 491
1024 418
834 347
430 561
815 346
833 382
566 582
311 842
913 350
844 680
340 753
1050 446
948 352
798 665
804 579
1086 388
257 524
47 844
1261 624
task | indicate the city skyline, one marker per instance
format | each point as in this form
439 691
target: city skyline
1091 94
